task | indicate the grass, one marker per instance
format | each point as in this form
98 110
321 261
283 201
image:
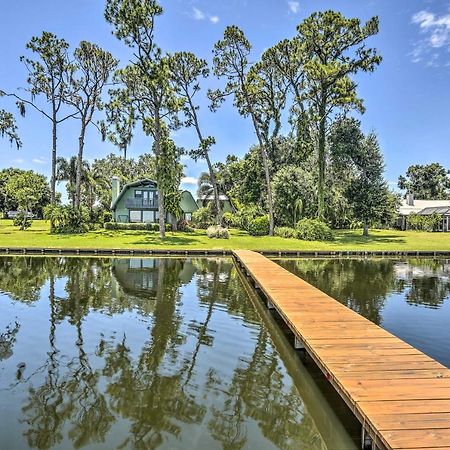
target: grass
389 240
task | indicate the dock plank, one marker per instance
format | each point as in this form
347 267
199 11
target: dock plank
401 395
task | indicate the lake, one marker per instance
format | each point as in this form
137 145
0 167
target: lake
146 353
409 297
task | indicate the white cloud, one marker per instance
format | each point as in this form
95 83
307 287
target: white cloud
214 19
18 161
436 29
39 160
294 7
197 14
189 180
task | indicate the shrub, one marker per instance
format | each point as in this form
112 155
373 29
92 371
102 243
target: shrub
67 219
231 220
217 232
183 225
313 230
424 223
202 218
286 232
245 215
23 221
259 226
138 226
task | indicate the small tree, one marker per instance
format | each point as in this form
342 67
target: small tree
94 67
26 189
368 191
8 128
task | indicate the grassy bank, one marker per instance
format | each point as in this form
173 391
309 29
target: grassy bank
390 240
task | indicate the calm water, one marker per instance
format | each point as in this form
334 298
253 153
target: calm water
408 297
148 353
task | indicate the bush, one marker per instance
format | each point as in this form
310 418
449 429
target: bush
231 220
22 221
245 215
217 232
313 230
183 225
259 226
67 219
286 232
138 226
424 223
202 218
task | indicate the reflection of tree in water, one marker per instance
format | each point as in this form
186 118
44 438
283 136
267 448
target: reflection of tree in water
360 284
155 389
7 340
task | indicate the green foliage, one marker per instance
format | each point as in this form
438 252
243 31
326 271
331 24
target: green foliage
426 182
203 217
259 226
231 220
28 190
183 225
135 226
67 219
313 230
424 223
8 127
217 232
286 232
293 190
23 220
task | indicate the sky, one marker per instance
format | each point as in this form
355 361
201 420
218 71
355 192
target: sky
407 98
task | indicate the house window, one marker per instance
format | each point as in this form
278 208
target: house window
148 216
138 194
188 216
135 216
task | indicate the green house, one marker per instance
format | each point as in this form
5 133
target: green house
138 202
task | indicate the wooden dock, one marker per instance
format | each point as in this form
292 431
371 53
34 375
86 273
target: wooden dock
400 395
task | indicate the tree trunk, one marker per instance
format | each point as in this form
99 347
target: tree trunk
53 177
213 178
365 229
79 165
162 214
269 190
321 163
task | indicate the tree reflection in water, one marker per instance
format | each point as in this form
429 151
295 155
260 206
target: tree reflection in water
162 381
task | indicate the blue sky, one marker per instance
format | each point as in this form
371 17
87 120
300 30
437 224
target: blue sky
407 98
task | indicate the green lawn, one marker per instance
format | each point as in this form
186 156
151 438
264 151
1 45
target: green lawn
389 240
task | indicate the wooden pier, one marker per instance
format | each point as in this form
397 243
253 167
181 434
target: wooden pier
400 395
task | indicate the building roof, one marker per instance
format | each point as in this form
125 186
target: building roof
222 197
419 205
146 182
441 210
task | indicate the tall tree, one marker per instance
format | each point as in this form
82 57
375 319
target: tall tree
427 182
94 68
48 75
335 49
186 70
231 62
146 81
8 128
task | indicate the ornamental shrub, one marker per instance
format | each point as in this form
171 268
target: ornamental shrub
286 232
217 232
424 223
313 230
66 219
259 226
23 220
231 220
135 226
202 218
183 225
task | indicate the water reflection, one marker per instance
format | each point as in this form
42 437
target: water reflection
140 354
386 290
